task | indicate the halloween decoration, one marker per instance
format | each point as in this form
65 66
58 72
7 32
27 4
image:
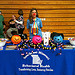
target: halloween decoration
27 44
23 36
57 37
46 37
37 43
36 39
16 39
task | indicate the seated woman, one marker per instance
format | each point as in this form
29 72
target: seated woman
12 30
34 24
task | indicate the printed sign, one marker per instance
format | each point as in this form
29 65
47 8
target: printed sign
36 61
46 36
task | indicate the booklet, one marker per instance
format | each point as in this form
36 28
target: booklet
11 47
1 48
68 46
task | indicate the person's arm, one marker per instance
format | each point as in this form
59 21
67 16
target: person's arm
3 21
19 22
10 22
4 24
28 25
41 24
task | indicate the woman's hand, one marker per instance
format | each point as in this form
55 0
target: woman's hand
4 27
15 20
13 16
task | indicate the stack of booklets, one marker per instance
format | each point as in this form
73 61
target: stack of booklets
11 47
68 47
1 48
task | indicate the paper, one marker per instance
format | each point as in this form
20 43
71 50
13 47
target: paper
46 37
68 46
11 47
1 48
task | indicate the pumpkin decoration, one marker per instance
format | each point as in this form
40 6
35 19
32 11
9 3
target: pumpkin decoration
36 39
23 36
16 39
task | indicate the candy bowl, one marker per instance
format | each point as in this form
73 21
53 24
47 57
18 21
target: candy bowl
72 40
2 43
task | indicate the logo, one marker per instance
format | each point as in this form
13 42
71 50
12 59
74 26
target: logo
36 59
37 62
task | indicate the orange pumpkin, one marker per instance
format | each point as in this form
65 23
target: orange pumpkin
16 39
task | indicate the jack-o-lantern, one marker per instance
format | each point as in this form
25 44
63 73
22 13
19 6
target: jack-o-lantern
16 39
36 39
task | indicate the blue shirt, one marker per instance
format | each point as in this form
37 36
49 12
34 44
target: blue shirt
39 23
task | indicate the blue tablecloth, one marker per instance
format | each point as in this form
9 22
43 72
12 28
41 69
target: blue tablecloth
38 62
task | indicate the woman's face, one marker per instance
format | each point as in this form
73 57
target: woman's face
34 13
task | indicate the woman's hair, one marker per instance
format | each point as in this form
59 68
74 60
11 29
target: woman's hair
30 15
0 11
20 12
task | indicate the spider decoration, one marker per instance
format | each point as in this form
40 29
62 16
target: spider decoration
29 44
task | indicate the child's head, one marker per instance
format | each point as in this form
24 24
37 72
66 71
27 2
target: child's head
13 16
20 12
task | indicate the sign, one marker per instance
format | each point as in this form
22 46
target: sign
46 36
38 61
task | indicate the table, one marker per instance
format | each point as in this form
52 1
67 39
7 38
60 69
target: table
40 62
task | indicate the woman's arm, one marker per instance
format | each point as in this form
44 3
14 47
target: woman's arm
41 24
28 24
4 24
21 22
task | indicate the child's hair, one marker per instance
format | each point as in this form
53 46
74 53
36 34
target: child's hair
20 12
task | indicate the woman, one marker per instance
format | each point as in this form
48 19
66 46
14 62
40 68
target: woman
20 22
2 25
34 24
12 30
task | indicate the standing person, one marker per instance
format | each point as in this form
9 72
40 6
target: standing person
34 24
2 25
20 22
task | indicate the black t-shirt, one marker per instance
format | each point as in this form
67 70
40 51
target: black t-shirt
12 25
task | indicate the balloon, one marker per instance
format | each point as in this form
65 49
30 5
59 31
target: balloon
58 39
36 39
